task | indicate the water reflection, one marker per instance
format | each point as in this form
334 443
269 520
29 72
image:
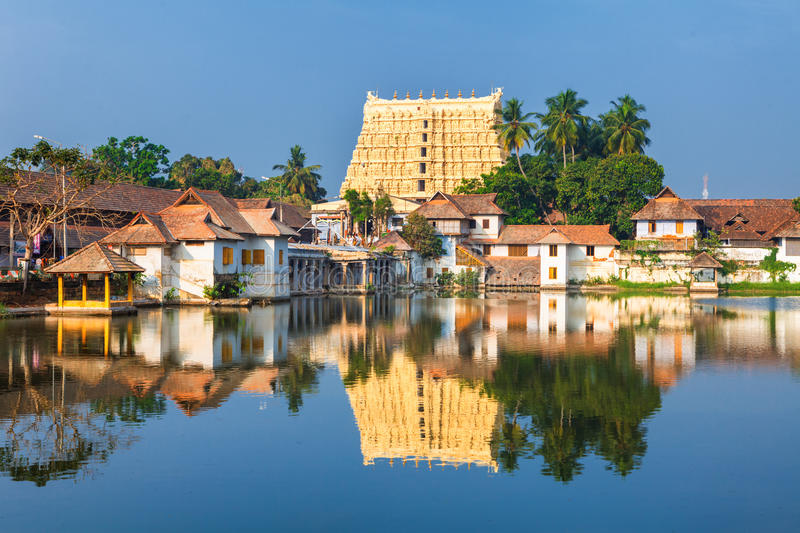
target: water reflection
505 383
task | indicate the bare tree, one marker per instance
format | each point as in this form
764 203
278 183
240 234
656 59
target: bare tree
44 186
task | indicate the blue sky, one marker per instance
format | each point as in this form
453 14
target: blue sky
246 80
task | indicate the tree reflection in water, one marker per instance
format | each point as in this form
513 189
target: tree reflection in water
562 409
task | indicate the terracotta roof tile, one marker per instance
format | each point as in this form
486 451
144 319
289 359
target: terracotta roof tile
459 206
93 259
142 230
263 223
597 234
667 206
704 260
790 229
393 238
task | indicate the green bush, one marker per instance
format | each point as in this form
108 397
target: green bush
467 278
172 294
229 288
445 279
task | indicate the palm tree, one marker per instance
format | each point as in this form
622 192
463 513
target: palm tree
624 129
515 132
562 122
298 178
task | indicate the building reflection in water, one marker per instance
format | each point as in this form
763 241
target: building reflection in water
496 383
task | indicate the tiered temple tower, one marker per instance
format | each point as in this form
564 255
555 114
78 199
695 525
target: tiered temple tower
415 147
417 415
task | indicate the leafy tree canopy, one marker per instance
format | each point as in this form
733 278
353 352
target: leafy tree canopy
421 236
522 196
134 157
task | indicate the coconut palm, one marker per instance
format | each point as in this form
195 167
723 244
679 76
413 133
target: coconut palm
298 178
515 131
624 130
561 123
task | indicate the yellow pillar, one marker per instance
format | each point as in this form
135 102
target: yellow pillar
130 287
61 290
60 334
107 284
105 335
83 287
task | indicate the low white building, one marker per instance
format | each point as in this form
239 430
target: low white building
668 219
202 239
788 239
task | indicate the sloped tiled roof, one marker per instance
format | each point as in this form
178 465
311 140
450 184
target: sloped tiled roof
591 234
791 230
223 212
393 238
459 206
144 229
667 206
119 197
263 222
761 215
704 260
293 216
194 223
513 271
477 204
94 259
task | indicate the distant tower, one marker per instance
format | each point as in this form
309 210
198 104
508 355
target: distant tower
705 187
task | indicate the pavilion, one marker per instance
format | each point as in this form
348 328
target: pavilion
704 273
93 259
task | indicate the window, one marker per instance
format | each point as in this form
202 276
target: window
471 224
425 124
487 249
423 152
429 272
679 227
258 257
590 251
137 250
247 257
420 185
424 137
553 273
422 168
227 255
517 250
397 221
280 257
485 223
651 226
553 250
445 270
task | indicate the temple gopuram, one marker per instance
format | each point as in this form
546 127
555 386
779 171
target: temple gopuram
414 147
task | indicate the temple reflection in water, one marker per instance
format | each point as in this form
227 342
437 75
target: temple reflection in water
436 382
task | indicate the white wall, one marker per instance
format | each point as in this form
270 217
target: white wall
479 232
781 256
664 228
560 262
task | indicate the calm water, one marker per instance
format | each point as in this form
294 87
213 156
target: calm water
551 413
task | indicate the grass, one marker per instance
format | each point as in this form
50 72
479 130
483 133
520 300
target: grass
4 313
768 287
631 285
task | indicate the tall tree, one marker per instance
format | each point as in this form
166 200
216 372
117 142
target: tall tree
301 179
360 208
382 210
421 236
136 158
44 186
625 131
561 122
515 131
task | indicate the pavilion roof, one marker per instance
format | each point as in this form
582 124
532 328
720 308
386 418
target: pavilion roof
704 260
94 259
